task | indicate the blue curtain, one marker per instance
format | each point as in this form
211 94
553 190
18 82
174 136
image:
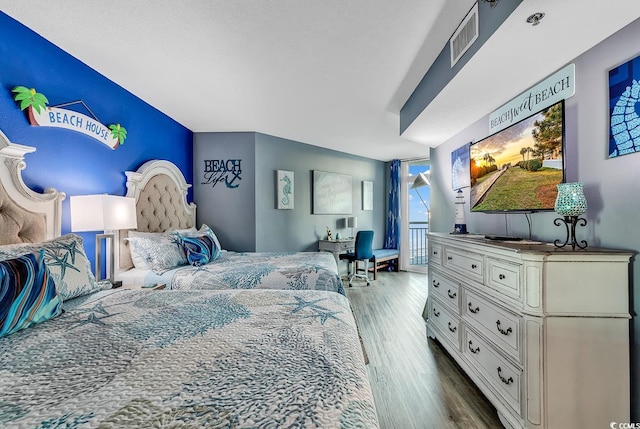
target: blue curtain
392 236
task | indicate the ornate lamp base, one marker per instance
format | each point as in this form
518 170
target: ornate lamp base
570 223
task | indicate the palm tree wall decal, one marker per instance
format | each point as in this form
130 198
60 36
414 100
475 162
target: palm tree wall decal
30 99
119 132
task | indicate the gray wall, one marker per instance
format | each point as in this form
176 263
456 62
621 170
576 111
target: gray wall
246 219
230 212
441 72
611 185
299 229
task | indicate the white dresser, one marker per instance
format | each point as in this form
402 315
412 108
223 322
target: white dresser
542 331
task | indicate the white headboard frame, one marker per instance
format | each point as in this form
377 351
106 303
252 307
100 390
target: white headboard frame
156 211
46 206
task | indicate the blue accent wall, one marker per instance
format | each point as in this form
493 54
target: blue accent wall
68 160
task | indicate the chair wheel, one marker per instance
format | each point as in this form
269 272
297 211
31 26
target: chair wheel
349 284
368 284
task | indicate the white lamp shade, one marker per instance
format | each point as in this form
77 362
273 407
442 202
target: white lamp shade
352 222
102 213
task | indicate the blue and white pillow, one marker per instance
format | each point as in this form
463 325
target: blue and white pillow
139 250
27 293
162 252
204 229
200 250
67 261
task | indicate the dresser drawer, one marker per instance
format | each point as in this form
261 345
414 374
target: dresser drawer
446 289
504 277
435 253
466 263
504 377
496 323
445 321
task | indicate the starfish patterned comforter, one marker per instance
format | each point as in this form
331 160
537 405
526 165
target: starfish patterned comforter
258 270
189 359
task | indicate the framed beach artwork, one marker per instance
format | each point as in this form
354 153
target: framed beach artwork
624 122
332 193
460 176
367 195
284 184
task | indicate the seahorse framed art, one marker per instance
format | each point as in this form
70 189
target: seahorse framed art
284 185
624 94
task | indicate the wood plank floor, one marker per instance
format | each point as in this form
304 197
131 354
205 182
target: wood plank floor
415 383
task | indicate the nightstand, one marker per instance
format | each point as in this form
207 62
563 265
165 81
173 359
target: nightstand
158 286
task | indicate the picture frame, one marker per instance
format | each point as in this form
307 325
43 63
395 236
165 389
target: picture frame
623 90
367 195
460 168
285 190
332 193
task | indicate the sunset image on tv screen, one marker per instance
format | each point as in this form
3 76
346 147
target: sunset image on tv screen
519 168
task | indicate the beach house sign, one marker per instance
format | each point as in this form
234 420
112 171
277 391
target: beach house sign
39 114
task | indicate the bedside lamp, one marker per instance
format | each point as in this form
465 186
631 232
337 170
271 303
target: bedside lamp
352 222
106 213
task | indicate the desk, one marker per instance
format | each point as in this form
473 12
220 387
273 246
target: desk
337 246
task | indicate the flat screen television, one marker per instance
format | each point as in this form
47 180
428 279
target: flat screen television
517 169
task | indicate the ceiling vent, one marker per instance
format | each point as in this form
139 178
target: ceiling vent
464 36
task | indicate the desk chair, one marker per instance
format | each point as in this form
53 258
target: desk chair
363 251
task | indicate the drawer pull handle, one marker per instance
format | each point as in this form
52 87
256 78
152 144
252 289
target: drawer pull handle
501 276
474 266
451 295
471 309
452 328
472 350
436 284
449 258
436 313
506 381
435 252
502 331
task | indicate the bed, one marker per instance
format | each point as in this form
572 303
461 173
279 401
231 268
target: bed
86 356
147 256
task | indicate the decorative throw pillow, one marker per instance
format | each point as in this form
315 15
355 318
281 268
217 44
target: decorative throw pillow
200 250
204 229
163 252
27 293
139 250
67 261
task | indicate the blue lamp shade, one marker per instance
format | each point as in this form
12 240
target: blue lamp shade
571 200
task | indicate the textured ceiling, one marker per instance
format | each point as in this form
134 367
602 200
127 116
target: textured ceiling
333 74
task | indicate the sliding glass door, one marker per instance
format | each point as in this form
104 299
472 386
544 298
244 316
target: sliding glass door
415 215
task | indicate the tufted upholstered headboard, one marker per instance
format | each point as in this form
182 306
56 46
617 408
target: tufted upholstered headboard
160 191
25 216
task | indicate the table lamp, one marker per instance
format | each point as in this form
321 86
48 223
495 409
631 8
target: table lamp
570 204
106 213
352 222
